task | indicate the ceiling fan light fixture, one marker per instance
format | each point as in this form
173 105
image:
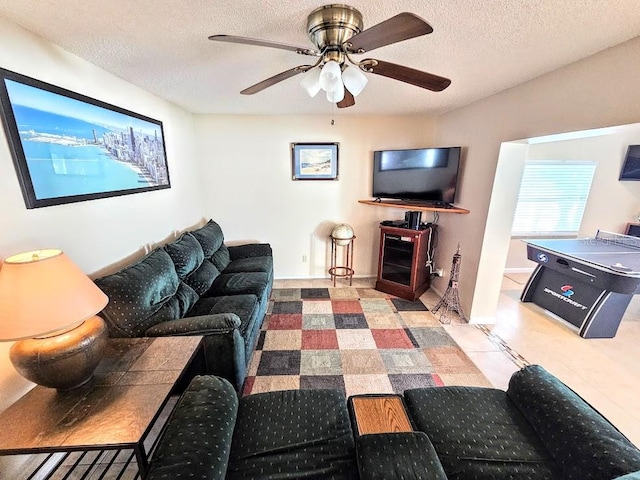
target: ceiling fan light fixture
311 82
330 76
354 80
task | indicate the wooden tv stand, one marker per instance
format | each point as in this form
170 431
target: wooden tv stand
413 206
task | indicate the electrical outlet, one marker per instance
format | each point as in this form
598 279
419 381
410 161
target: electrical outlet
439 272
304 259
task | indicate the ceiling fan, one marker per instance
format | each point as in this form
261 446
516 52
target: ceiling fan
336 31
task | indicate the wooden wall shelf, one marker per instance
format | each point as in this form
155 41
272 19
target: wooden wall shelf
413 206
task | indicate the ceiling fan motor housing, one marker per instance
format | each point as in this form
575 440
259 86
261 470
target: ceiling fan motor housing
332 25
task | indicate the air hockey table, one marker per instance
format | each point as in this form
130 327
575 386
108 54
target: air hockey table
587 282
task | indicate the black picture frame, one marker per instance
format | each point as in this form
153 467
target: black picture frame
68 147
314 161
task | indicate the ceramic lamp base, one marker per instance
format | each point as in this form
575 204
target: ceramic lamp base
63 361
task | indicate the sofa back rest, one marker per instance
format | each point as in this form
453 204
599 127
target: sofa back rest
211 239
138 293
582 442
193 269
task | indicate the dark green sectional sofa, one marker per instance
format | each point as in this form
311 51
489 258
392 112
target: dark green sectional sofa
196 285
537 429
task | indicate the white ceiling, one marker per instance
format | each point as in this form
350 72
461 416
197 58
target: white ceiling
483 46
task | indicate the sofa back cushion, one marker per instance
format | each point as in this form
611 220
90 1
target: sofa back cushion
581 440
138 293
211 239
186 253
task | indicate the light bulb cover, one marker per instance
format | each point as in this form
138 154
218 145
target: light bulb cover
311 82
336 95
354 80
330 76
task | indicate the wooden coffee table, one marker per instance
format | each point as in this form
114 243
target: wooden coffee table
115 411
379 414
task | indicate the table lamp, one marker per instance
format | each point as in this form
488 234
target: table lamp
49 305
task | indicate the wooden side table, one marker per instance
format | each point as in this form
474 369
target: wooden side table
345 271
378 414
114 411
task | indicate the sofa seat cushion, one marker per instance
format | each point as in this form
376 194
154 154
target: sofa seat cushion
244 306
256 283
197 440
250 264
581 440
293 434
479 433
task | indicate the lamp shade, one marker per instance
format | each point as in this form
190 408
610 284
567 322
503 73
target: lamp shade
42 292
337 94
354 80
330 76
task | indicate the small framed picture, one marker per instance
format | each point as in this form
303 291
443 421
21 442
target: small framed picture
314 161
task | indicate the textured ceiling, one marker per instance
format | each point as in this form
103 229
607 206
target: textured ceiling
483 46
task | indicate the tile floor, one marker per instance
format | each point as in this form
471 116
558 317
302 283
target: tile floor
606 372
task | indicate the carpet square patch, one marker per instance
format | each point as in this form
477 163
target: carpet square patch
252 371
403 305
406 361
346 306
400 383
282 340
450 360
271 383
362 362
285 321
285 294
287 307
419 319
371 293
279 362
319 340
380 305
314 293
355 339
359 384
318 321
343 293
320 362
391 338
382 320
321 381
317 306
432 337
350 320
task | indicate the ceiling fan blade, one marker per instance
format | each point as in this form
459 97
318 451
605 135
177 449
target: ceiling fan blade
396 29
347 101
264 43
407 75
258 87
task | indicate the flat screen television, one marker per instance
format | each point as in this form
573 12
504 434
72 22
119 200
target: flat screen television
425 175
631 165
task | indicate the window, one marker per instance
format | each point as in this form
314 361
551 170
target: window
552 198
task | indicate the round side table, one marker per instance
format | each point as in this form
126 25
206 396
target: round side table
344 271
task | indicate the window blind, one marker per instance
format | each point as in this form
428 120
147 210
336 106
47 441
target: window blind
553 195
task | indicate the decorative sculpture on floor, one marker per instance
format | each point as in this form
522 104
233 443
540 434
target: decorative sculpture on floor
450 301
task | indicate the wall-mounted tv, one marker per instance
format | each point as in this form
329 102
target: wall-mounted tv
428 175
631 165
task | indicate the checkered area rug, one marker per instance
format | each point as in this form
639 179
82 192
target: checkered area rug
359 340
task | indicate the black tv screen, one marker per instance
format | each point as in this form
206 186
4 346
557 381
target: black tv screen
631 165
423 175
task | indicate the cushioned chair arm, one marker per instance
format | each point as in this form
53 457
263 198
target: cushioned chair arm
250 250
218 323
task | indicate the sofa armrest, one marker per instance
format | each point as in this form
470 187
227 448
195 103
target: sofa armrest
218 323
250 250
398 455
197 439
583 442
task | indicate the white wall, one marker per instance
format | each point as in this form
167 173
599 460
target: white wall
599 91
96 233
611 203
246 174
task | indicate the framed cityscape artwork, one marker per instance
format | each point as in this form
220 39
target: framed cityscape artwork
67 147
314 161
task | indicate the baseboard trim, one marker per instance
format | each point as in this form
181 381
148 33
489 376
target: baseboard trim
520 270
